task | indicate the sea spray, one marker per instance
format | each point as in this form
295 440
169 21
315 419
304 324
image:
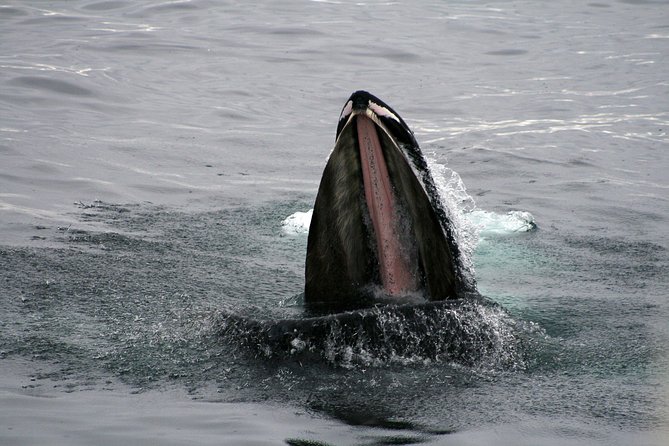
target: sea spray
473 332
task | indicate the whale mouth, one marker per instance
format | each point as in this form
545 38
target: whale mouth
391 226
377 235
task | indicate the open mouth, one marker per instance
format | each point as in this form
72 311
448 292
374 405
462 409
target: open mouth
376 230
391 226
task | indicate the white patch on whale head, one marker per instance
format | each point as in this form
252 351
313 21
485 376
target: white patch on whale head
347 110
382 111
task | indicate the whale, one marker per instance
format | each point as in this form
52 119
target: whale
380 232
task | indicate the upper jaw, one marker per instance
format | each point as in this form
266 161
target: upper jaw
363 103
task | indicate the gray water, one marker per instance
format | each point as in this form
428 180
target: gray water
149 153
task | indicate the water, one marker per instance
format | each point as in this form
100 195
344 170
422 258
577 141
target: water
150 154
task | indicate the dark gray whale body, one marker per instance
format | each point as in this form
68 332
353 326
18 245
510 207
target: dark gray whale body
379 231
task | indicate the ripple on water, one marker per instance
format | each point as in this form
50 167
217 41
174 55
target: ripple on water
50 85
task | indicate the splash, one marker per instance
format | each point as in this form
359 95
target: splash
471 332
491 223
458 203
297 223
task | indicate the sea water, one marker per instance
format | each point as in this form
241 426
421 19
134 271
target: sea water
158 162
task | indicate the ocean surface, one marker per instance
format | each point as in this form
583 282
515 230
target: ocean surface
158 161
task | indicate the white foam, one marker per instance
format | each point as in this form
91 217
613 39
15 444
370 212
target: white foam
297 223
492 223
